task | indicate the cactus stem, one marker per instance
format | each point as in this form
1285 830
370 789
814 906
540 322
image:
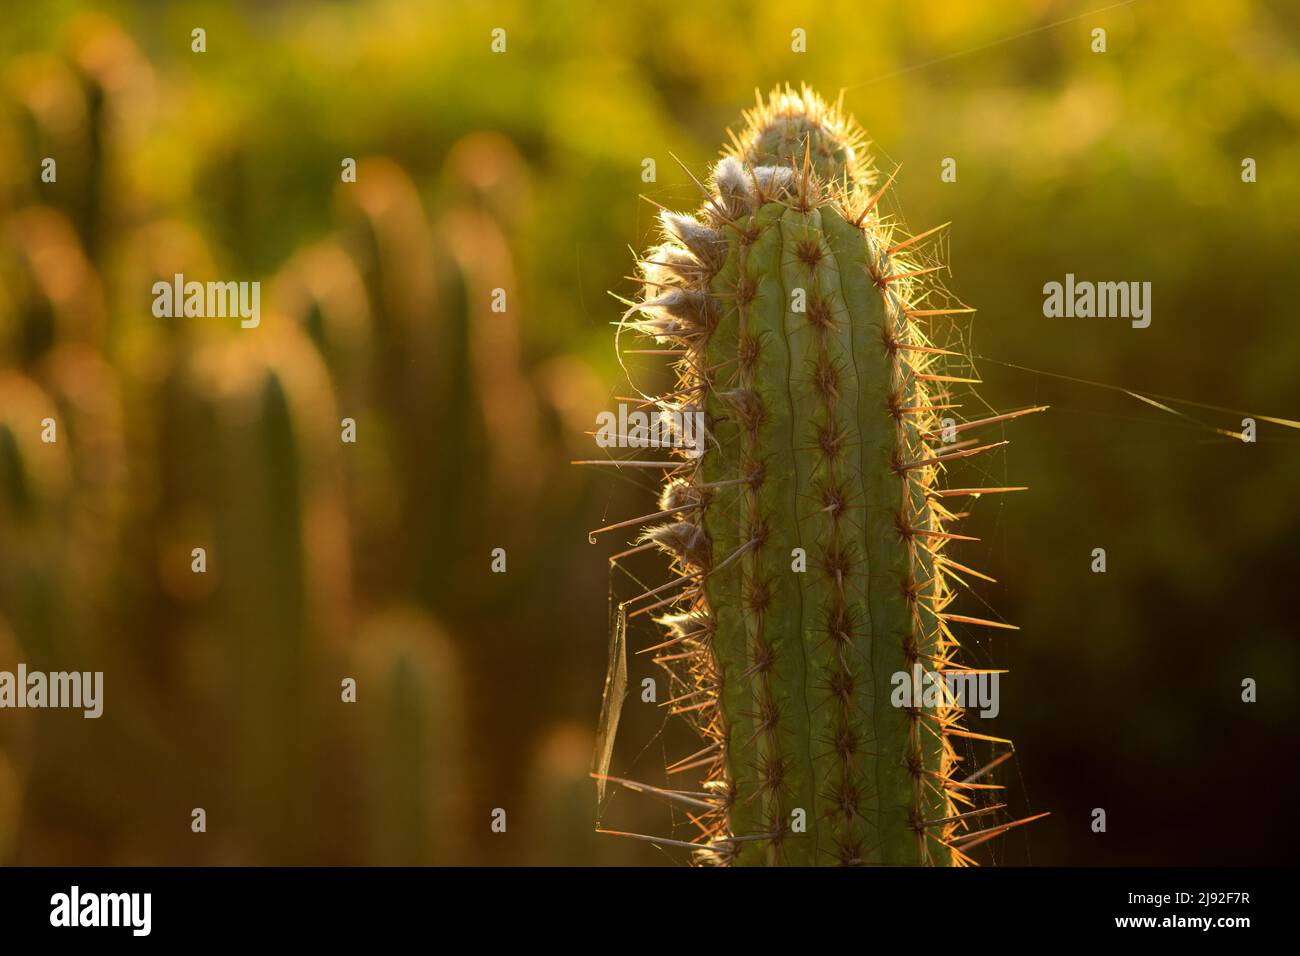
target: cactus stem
808 398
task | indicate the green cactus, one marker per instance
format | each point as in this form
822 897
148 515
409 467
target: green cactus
410 704
445 370
255 447
805 335
33 482
35 485
412 379
53 336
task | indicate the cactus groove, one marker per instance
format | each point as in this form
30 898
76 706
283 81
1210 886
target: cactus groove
804 320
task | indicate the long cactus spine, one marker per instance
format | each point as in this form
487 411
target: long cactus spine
810 532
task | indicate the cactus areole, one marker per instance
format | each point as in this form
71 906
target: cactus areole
809 535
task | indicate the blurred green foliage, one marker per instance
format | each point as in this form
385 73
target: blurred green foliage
1123 165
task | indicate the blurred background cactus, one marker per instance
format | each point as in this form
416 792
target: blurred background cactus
207 527
519 172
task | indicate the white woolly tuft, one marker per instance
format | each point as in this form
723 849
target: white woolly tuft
683 304
669 265
773 179
677 495
685 541
735 187
729 176
704 242
679 313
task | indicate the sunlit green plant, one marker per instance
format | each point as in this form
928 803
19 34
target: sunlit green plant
809 530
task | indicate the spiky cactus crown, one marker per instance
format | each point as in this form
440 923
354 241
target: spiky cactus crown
779 132
799 318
